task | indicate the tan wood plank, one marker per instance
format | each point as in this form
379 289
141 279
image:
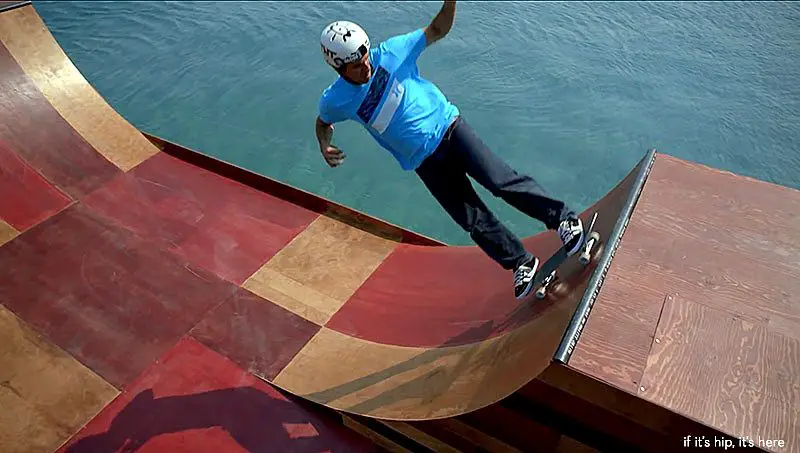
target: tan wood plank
46 394
395 382
315 274
726 372
37 52
7 232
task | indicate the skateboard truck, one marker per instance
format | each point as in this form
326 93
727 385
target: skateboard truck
542 291
591 238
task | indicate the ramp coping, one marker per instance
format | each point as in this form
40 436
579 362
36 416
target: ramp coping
8 6
578 321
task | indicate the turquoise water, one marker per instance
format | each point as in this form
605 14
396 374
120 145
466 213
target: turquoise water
573 93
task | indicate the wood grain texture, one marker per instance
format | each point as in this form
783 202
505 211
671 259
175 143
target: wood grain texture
726 372
742 251
220 225
258 335
727 242
45 394
563 385
379 357
294 195
447 296
616 339
27 196
320 269
7 232
594 410
30 42
600 425
193 400
394 382
35 131
112 300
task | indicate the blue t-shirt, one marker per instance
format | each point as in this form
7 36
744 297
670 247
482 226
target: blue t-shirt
405 113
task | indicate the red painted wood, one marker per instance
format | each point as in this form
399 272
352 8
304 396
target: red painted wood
27 198
194 400
113 301
47 142
255 333
458 296
448 296
286 192
213 222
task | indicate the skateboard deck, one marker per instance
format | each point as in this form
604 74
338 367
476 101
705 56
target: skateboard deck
548 272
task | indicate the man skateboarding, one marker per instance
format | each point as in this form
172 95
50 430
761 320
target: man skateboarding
381 88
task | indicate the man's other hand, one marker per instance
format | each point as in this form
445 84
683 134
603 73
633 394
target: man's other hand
333 155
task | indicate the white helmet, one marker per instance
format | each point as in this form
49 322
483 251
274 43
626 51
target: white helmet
343 42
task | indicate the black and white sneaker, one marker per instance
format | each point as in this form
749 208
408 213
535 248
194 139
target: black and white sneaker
571 233
523 277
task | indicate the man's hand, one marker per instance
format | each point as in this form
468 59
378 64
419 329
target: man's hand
441 24
333 155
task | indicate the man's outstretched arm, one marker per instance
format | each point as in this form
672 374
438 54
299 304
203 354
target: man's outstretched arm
441 24
332 155
324 133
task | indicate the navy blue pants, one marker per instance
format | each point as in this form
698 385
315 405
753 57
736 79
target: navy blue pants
445 172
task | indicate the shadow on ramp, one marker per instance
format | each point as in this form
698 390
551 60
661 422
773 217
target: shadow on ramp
487 358
254 420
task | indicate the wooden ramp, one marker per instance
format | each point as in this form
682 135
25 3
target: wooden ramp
150 296
700 310
111 252
693 341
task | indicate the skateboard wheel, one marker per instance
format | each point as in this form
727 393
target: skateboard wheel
587 249
540 293
585 256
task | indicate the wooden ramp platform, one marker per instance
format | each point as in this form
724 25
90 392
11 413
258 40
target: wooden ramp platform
155 298
700 310
693 340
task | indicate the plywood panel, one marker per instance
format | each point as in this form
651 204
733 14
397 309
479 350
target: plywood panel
27 196
258 335
221 225
7 232
395 382
194 400
45 394
35 131
25 35
321 268
725 371
112 300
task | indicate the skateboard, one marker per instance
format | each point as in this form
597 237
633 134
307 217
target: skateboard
548 273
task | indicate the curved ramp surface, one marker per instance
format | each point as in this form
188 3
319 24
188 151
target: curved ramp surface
436 331
118 251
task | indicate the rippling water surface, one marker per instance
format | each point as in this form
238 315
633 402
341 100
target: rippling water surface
571 93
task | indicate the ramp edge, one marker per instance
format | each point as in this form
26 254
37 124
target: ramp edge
578 320
291 193
8 6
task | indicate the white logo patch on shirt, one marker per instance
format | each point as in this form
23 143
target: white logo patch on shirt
389 107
